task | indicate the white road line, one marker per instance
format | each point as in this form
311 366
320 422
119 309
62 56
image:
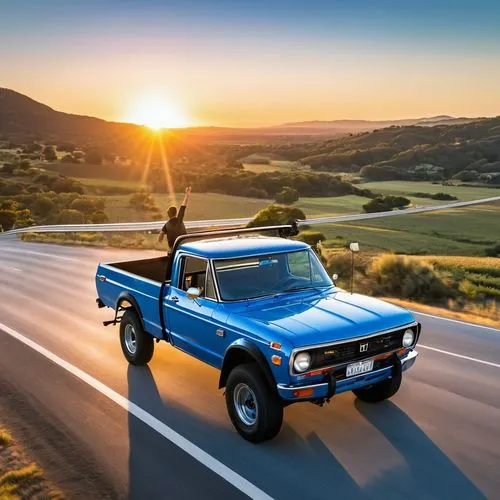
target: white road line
474 325
461 356
164 430
31 252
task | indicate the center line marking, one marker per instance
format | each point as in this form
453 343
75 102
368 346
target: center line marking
461 356
164 430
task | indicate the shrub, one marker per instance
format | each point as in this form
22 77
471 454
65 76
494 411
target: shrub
287 196
7 219
493 251
399 276
386 203
99 217
143 202
311 237
83 205
275 215
69 216
43 206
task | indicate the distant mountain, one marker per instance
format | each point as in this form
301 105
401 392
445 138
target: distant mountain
354 126
23 118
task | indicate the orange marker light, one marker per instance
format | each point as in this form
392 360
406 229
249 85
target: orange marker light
276 360
303 393
275 345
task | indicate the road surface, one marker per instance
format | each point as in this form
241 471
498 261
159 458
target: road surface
438 437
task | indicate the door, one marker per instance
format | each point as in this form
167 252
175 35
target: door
190 321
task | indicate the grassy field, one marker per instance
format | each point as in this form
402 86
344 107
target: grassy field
466 231
463 193
273 166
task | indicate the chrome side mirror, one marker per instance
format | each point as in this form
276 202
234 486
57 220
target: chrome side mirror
193 293
335 277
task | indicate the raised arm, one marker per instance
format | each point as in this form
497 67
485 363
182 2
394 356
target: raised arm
186 197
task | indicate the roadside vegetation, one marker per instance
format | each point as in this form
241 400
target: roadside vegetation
19 477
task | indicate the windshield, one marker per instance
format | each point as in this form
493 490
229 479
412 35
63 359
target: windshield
252 277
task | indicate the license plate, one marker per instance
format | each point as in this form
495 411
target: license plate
358 368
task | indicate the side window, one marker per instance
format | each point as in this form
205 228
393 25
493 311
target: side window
210 287
298 264
193 273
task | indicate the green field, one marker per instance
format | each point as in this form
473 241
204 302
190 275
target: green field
463 193
273 166
466 231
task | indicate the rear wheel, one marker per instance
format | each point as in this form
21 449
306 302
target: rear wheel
137 345
255 411
381 391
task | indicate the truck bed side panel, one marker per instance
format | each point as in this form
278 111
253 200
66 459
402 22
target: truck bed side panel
146 292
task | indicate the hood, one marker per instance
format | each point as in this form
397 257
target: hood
308 319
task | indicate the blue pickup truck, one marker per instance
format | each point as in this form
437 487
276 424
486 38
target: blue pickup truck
262 310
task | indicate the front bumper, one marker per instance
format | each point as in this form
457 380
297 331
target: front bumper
325 390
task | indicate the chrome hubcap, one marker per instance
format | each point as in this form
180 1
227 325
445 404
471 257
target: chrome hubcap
245 404
130 340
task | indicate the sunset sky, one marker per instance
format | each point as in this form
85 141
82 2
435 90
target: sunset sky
259 62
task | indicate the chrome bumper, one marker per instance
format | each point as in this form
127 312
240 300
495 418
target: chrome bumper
320 390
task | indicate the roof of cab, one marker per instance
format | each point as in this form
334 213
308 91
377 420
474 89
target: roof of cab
241 246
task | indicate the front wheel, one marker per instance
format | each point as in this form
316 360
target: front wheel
381 391
137 345
255 411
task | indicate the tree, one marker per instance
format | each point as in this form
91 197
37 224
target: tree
66 146
43 205
68 216
49 153
275 215
7 219
83 205
93 156
287 195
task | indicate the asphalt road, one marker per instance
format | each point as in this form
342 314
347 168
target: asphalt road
439 437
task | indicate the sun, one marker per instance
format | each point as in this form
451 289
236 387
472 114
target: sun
157 112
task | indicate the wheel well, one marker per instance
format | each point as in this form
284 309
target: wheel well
128 302
240 356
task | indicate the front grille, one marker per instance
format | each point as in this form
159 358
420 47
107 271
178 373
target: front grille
345 352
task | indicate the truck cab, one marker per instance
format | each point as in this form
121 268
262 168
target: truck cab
262 310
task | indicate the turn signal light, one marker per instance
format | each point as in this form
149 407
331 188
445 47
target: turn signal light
276 360
275 345
303 393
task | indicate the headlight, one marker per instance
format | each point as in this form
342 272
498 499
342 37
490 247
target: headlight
302 362
408 338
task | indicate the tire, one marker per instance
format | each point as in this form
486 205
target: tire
256 413
137 345
381 391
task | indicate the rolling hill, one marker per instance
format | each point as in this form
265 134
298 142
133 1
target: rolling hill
24 119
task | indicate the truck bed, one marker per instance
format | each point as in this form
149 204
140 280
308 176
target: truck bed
140 279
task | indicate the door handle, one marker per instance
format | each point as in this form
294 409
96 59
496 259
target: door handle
174 298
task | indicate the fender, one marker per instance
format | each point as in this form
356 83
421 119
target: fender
127 297
243 349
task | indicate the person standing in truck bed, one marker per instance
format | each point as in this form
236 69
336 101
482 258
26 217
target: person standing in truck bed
175 227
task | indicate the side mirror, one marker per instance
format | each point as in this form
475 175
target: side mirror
335 277
193 293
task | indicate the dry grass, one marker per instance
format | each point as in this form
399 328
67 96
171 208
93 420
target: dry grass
19 477
488 316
